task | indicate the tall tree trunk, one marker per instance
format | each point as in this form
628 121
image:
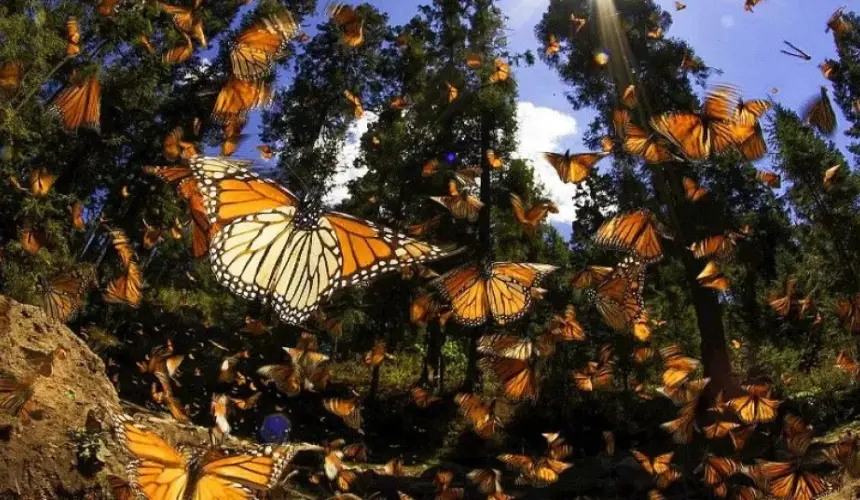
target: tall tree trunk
430 371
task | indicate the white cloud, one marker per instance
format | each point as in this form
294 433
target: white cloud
346 170
727 21
545 129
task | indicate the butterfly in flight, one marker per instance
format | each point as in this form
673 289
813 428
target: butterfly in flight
270 246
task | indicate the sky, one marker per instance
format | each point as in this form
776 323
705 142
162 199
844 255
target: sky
744 46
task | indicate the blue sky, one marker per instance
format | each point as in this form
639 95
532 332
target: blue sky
745 46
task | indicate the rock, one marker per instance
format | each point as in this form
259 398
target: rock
40 457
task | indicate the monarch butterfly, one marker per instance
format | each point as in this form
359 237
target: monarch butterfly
377 355
679 6
595 376
848 310
566 327
687 391
345 408
501 71
10 76
473 60
682 427
782 305
32 240
125 289
590 276
347 18
170 146
838 24
642 354
422 227
748 112
618 297
188 189
488 481
634 232
845 361
467 175
285 377
62 297
259 45
557 448
713 277
628 97
536 472
693 191
429 168
422 398
151 236
606 144
161 471
16 398
552 46
720 246
499 290
180 53
147 44
697 136
518 377
830 174
444 491
655 34
493 160
73 37
267 246
577 22
749 140
43 363
482 417
716 470
677 368
535 215
453 92
79 103
233 135
237 97
463 205
719 428
788 479
771 179
357 109
659 468
309 368
227 370
649 147
755 406
399 103
796 434
844 453
818 112
574 168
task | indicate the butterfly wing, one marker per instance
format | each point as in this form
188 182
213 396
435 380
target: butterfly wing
466 290
686 131
258 46
509 288
159 470
237 476
79 104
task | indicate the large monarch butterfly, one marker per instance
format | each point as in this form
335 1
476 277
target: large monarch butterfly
10 76
716 470
721 247
590 276
574 167
125 289
462 204
756 406
187 188
535 215
481 416
62 297
618 297
16 397
748 112
538 472
636 233
848 310
697 136
259 45
502 291
788 480
818 112
237 97
347 18
637 141
161 472
79 103
269 247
